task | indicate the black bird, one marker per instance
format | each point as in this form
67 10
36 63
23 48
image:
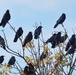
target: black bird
29 70
37 32
60 20
56 40
1 59
26 70
51 39
11 61
2 42
53 45
28 38
71 50
71 42
63 38
58 36
18 34
43 55
5 19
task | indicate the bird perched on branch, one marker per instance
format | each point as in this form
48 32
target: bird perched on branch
51 39
56 40
5 19
63 38
60 20
1 59
26 70
71 42
28 38
37 32
71 50
11 61
43 55
2 42
29 70
18 34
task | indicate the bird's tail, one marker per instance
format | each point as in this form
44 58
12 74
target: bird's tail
0 24
24 44
46 41
4 47
53 45
35 37
15 39
55 25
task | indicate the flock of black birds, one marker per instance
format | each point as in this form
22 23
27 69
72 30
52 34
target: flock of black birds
6 17
10 62
55 40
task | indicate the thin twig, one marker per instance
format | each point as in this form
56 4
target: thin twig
19 38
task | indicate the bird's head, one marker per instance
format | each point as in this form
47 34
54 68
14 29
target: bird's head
59 33
40 27
7 10
13 57
20 27
64 14
30 32
2 56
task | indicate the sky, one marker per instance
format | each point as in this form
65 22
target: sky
26 13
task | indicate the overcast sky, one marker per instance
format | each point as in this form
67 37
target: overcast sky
26 13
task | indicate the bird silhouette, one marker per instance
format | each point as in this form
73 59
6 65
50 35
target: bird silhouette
71 42
28 38
18 34
63 38
2 42
11 61
56 40
43 55
37 32
26 70
71 50
51 39
1 59
29 70
5 19
60 20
